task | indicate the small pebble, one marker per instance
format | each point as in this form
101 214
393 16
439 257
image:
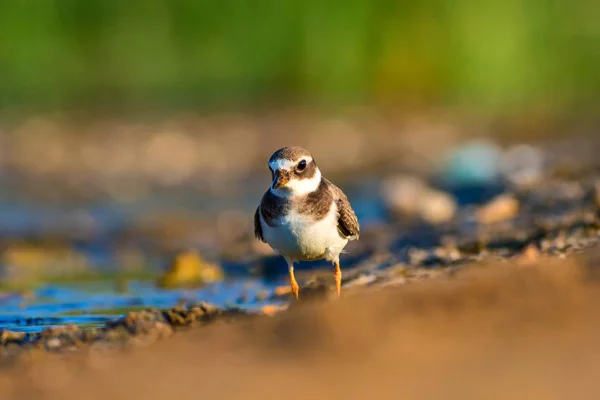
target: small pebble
401 194
272 309
282 290
502 208
410 196
529 256
53 343
437 207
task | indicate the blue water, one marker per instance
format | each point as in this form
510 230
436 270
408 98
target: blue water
93 304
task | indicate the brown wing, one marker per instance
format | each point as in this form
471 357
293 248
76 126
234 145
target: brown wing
347 220
257 226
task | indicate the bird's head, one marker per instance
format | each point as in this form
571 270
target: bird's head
294 172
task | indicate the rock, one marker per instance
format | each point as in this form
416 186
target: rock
501 208
437 207
523 165
401 194
190 269
529 256
475 162
11 337
271 309
448 254
417 256
282 291
53 343
409 196
163 330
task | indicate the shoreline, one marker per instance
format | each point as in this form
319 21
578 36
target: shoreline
498 330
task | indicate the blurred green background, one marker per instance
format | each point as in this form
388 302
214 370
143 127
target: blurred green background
501 54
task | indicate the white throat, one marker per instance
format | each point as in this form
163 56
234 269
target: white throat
299 187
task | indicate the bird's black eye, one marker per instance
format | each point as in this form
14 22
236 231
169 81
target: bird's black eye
301 165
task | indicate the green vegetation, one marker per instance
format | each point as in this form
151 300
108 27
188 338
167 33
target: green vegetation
57 53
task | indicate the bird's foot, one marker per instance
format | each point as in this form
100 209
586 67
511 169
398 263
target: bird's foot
295 290
294 284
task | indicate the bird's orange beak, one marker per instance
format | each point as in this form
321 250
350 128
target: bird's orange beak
280 179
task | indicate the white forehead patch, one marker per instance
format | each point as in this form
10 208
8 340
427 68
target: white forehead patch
286 164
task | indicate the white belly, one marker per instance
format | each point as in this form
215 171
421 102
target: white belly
298 237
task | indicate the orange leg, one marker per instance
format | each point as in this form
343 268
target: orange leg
293 283
338 279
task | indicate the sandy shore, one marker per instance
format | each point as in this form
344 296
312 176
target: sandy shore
493 331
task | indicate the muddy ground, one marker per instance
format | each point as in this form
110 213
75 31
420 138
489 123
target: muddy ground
493 331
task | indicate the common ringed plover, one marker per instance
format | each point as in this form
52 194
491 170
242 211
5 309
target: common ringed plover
303 216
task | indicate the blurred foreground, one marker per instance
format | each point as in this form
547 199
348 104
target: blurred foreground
506 330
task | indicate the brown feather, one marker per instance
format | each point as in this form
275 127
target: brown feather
291 153
347 221
317 203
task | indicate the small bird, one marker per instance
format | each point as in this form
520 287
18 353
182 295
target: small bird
303 216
